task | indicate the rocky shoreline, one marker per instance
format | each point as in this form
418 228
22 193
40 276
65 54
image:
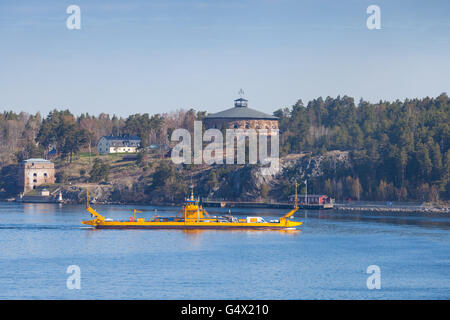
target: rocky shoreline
404 209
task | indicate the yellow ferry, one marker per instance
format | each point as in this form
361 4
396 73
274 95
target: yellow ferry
193 216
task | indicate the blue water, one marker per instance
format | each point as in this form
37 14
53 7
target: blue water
327 259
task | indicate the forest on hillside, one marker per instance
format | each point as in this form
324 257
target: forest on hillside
398 150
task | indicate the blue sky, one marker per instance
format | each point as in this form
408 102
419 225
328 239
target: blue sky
158 56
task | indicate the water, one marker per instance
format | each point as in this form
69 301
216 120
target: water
327 259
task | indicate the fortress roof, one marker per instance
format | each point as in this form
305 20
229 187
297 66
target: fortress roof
241 111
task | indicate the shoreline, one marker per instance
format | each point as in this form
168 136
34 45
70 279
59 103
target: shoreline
338 207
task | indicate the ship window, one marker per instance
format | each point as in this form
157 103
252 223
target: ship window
45 174
34 180
34 174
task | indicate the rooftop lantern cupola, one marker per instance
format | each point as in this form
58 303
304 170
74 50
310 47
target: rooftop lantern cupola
241 102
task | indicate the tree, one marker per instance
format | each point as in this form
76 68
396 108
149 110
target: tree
60 129
99 171
436 160
75 138
356 188
434 193
163 175
31 150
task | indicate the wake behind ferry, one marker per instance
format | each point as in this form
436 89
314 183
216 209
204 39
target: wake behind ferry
193 216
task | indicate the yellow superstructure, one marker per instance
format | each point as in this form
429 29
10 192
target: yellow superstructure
192 216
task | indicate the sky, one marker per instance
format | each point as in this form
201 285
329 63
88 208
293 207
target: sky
159 56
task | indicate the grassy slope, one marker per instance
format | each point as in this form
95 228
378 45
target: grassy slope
121 171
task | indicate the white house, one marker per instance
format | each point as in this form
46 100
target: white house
120 144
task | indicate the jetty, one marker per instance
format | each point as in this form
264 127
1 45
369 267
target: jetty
262 204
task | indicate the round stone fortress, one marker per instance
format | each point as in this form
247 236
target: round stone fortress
241 117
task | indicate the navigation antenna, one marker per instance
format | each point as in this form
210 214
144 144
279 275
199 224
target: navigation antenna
241 93
87 195
296 200
192 190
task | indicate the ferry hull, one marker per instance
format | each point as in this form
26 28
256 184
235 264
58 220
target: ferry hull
186 227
